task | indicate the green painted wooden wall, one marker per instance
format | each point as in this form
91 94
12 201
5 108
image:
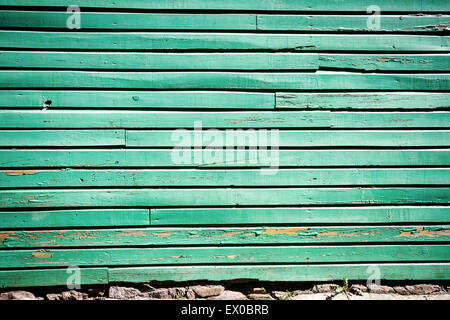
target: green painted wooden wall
87 118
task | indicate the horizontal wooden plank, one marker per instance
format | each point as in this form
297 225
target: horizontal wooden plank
219 41
389 119
283 215
160 119
221 61
375 100
173 61
221 255
137 99
163 158
74 218
60 138
52 277
218 196
384 62
393 23
296 5
179 119
330 272
223 236
194 177
141 21
224 80
180 21
286 138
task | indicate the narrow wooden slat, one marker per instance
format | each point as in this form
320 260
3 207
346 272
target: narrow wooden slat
175 119
294 5
235 41
142 21
389 119
59 138
393 23
221 80
180 21
220 196
52 277
222 236
174 61
137 99
74 218
222 255
164 158
375 100
385 62
291 138
159 119
222 61
330 272
355 215
170 178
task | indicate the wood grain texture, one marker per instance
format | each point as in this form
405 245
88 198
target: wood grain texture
222 61
137 99
223 236
392 23
219 196
173 61
74 218
164 158
61 138
221 255
283 215
171 119
389 271
288 138
229 21
218 178
51 277
295 5
49 119
220 41
370 101
224 80
109 20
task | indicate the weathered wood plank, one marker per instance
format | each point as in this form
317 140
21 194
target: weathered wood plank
385 62
389 119
137 99
141 21
392 23
180 21
287 138
221 255
235 41
194 177
180 119
330 272
60 138
164 158
294 5
248 119
223 236
375 100
221 61
176 61
354 215
218 196
221 80
52 277
74 218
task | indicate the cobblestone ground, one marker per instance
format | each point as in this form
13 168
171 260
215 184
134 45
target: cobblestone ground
238 291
